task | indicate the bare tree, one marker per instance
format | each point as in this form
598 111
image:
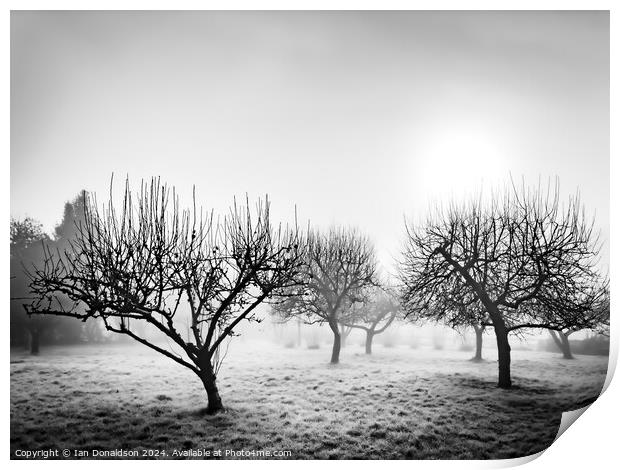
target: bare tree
602 314
519 249
597 320
148 263
451 305
477 320
338 265
373 314
560 338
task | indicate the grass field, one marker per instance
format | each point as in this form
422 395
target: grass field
398 403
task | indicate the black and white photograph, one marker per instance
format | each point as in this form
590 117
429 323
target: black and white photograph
306 234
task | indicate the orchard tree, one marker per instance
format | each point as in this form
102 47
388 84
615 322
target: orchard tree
451 305
597 320
338 266
135 266
373 313
519 249
560 338
602 312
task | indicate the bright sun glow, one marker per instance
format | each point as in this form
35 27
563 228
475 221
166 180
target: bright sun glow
460 159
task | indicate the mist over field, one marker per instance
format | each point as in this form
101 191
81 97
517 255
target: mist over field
306 234
408 400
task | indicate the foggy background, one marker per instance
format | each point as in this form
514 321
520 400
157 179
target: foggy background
355 117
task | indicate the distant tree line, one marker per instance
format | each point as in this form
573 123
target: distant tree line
28 243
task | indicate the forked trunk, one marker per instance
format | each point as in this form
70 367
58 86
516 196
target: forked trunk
561 340
213 397
369 337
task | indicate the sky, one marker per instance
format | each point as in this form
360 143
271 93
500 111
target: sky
354 118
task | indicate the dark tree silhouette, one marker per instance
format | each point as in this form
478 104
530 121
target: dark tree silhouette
453 307
520 249
26 248
602 314
25 233
135 265
373 314
68 330
338 265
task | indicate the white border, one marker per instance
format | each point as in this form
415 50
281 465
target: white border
590 443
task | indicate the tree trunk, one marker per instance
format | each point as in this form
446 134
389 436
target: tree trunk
566 347
336 348
479 331
556 339
503 356
369 337
208 381
561 340
34 341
